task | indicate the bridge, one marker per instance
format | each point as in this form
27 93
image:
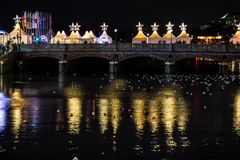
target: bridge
115 53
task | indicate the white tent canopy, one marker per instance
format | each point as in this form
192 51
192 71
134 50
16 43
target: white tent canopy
19 36
236 37
140 37
169 38
88 38
104 38
154 38
184 37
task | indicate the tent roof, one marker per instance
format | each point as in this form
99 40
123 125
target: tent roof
169 35
104 34
17 29
86 35
73 35
92 35
154 35
183 35
58 35
140 35
236 35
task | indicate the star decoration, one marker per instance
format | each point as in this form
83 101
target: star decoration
77 26
17 19
139 26
154 26
72 27
238 27
169 26
183 27
104 27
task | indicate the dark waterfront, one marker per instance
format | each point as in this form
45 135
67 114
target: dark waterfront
135 116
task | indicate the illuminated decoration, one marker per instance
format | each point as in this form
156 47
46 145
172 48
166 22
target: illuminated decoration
209 39
74 36
37 23
184 37
88 37
236 38
18 36
140 37
154 37
104 38
60 38
169 38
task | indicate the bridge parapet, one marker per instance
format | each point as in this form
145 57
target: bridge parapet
129 47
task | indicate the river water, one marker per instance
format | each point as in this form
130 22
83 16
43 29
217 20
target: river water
133 116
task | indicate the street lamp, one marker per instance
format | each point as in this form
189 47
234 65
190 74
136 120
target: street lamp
115 31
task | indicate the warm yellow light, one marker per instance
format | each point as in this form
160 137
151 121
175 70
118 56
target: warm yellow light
17 99
138 114
16 114
236 114
115 114
103 115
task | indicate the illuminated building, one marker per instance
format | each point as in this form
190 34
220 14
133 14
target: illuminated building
209 39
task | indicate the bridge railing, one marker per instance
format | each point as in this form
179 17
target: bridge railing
129 47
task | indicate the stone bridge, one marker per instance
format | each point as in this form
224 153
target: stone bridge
115 53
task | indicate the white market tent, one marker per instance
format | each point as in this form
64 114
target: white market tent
73 38
88 37
140 37
154 38
169 38
104 38
184 37
4 37
18 34
236 37
60 38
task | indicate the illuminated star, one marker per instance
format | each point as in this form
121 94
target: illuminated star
72 27
169 26
139 26
238 27
104 27
154 26
77 26
17 19
183 27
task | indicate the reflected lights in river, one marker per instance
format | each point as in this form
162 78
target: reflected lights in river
115 114
74 109
236 114
153 117
16 115
3 112
103 115
17 99
138 114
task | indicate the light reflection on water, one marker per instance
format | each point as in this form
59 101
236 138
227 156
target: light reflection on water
236 114
159 119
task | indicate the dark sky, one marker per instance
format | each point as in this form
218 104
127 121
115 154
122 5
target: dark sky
123 14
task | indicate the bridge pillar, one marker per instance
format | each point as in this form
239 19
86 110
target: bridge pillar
169 67
222 67
62 66
113 66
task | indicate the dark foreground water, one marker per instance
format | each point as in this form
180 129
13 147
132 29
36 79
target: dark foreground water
176 117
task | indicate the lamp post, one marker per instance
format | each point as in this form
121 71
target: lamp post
115 31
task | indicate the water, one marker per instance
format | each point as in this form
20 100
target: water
147 116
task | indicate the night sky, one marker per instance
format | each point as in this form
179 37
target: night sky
121 14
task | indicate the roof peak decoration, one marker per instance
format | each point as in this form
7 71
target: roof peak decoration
77 26
104 27
72 27
154 26
139 26
169 26
17 19
183 27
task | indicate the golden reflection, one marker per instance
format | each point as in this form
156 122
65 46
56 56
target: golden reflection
17 99
153 117
16 114
103 114
115 116
74 112
74 115
138 114
236 114
169 116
